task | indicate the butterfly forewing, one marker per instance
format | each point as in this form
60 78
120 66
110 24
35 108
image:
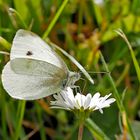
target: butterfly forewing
28 45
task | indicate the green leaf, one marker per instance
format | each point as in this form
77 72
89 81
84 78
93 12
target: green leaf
4 43
136 128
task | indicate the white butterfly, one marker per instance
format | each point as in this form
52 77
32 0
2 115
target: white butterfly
35 70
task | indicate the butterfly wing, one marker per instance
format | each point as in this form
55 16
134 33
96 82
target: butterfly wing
37 80
28 45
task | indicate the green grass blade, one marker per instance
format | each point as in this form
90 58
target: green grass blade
95 130
16 17
22 10
19 123
4 43
57 15
41 125
136 64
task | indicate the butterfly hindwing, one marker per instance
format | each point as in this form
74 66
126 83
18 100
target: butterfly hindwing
32 85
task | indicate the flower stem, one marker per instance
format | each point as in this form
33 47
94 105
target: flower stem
80 133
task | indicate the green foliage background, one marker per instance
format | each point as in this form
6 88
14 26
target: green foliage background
83 29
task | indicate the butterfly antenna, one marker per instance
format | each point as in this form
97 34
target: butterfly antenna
94 72
82 79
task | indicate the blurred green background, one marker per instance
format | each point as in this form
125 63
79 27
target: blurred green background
83 29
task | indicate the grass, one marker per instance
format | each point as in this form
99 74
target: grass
83 29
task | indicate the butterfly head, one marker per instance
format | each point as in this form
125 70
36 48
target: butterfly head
72 78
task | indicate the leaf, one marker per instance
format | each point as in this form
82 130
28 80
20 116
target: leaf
95 130
136 128
4 43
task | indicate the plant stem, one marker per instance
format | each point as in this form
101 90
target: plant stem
57 15
80 132
116 94
118 100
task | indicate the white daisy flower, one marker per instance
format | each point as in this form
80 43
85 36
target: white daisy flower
81 103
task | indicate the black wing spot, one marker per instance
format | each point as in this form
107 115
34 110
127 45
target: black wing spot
29 53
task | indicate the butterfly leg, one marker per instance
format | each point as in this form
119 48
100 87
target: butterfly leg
77 89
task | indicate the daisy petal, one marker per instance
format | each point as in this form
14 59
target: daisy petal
66 100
